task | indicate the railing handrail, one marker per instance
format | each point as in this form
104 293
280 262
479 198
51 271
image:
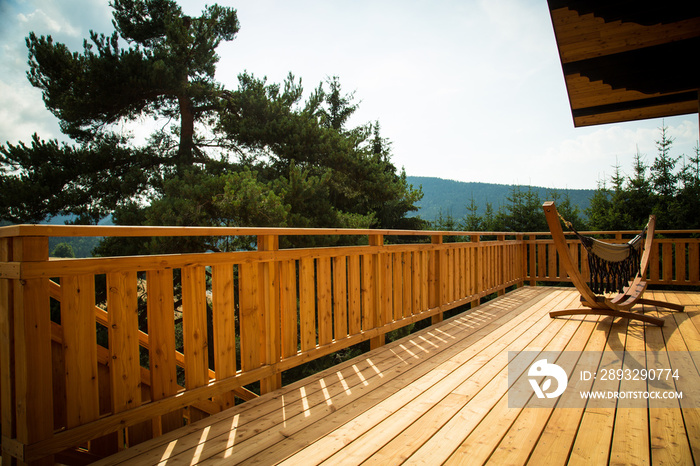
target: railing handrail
614 232
146 231
24 230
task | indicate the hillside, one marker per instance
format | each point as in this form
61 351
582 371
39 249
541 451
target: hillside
451 197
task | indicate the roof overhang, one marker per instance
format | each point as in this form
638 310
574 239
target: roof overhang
628 60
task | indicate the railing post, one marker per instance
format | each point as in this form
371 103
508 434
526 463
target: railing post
376 342
437 279
530 245
522 258
502 264
271 312
7 404
478 282
27 392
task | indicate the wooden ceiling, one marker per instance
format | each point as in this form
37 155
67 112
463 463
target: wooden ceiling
628 60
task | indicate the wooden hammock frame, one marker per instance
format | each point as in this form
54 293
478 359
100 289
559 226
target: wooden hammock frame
619 305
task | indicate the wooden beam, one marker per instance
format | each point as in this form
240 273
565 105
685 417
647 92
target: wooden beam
33 395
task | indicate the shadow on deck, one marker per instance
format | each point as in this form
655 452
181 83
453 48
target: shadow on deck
442 395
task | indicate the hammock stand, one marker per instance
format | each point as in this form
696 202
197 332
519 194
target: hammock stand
615 268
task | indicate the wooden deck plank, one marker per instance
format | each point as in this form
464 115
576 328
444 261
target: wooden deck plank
630 443
399 449
386 399
554 444
523 435
475 432
669 443
682 343
290 397
597 422
411 413
441 394
483 442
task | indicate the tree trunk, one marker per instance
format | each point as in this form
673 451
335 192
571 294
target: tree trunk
185 151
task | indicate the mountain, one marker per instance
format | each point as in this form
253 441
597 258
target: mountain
449 197
66 219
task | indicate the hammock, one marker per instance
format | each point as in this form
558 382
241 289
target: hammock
621 304
612 266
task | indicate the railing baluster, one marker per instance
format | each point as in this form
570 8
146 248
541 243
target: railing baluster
223 320
694 262
307 304
367 291
667 252
250 315
397 286
340 298
407 298
161 332
681 261
385 293
436 290
194 330
123 331
324 300
288 308
424 281
354 295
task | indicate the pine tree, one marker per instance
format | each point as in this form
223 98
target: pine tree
523 211
167 71
663 177
688 197
664 180
640 197
472 221
301 160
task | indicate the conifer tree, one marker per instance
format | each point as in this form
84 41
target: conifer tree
255 155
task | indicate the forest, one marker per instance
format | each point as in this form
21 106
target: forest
668 187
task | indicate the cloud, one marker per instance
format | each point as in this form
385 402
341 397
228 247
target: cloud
22 110
592 153
23 113
38 20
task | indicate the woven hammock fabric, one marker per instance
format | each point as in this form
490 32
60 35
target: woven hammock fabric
612 266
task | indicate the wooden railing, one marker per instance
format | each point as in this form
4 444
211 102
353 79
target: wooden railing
675 259
93 357
246 317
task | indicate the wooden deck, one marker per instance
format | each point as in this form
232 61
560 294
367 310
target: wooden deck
441 396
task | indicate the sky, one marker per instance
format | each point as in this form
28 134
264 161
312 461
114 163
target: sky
468 90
